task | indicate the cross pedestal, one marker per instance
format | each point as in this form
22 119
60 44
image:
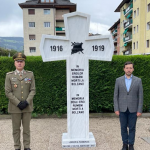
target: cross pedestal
77 47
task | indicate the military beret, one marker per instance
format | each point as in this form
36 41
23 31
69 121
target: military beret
19 57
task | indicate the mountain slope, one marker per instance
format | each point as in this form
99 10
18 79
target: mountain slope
15 43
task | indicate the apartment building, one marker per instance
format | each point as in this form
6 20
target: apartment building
43 17
115 32
134 27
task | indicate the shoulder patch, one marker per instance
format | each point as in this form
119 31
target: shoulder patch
9 72
29 71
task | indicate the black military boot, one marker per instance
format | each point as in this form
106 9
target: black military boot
131 147
125 147
27 149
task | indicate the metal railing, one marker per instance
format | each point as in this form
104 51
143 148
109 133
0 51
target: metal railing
114 32
128 9
128 23
115 39
60 29
127 38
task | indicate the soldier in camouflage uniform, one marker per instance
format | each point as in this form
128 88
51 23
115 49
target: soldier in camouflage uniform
20 90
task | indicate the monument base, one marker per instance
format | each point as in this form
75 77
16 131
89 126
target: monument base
69 143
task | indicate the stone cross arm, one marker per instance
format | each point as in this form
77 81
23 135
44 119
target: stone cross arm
54 48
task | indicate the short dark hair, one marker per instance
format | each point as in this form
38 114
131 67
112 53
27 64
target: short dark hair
127 63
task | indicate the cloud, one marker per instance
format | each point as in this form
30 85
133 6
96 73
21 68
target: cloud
102 15
101 11
99 28
14 27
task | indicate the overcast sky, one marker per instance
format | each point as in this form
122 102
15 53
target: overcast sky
101 11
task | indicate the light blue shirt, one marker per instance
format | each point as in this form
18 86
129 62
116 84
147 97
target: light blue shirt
128 82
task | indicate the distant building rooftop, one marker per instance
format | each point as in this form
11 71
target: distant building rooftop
62 4
121 4
91 34
115 24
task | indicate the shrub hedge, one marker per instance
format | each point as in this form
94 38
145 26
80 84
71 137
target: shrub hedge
50 78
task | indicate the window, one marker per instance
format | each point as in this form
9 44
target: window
137 11
137 45
134 30
147 43
31 37
31 24
134 45
46 11
32 49
148 25
134 13
148 7
137 28
46 24
31 11
48 1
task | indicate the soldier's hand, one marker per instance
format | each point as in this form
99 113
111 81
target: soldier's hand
20 105
25 104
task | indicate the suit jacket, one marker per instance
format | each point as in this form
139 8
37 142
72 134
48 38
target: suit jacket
19 89
133 100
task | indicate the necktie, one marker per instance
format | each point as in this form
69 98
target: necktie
20 74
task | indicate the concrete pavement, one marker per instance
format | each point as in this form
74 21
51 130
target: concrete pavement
46 133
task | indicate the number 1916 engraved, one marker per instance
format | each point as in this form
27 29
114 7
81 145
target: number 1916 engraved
56 48
98 48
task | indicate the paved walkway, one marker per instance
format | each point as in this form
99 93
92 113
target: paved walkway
46 134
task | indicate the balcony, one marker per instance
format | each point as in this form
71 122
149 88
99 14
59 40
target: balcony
114 32
60 13
128 24
125 31
129 8
59 18
60 30
129 14
115 40
127 39
127 52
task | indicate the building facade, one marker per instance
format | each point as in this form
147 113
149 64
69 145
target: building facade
43 17
134 27
115 32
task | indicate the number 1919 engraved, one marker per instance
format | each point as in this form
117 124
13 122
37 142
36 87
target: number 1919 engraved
98 48
56 48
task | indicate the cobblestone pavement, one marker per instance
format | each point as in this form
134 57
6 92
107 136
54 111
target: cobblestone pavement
47 133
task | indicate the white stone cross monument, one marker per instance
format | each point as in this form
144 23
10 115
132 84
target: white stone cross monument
77 47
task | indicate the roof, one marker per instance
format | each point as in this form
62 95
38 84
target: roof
57 4
114 25
121 4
